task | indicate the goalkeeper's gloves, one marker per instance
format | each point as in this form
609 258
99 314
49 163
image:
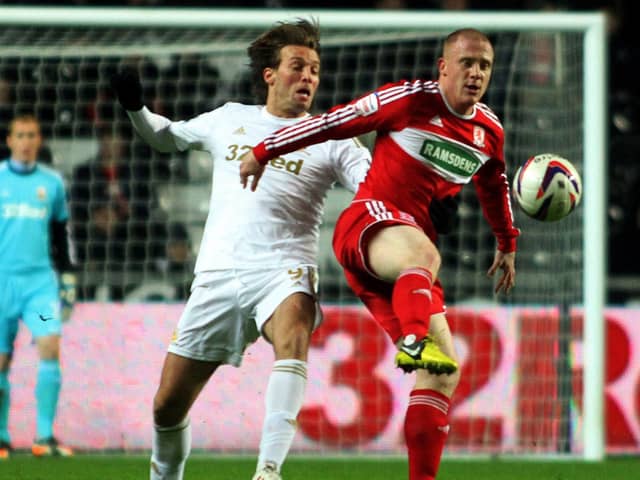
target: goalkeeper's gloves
126 84
68 285
444 214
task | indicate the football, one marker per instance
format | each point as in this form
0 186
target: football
547 187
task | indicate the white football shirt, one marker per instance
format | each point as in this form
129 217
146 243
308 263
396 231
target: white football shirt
278 224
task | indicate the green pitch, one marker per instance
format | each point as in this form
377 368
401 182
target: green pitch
201 467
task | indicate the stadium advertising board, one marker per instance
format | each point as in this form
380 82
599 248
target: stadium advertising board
507 400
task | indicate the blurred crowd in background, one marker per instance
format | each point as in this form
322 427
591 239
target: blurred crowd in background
113 195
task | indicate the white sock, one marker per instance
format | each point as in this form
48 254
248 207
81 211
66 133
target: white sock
170 449
283 400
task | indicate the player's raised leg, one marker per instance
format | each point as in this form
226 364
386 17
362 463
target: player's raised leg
405 256
426 425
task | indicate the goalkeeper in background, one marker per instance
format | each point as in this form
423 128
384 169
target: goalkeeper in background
256 272
33 240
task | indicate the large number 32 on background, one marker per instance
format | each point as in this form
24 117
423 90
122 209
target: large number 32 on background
358 374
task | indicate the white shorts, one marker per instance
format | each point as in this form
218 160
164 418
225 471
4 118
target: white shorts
227 309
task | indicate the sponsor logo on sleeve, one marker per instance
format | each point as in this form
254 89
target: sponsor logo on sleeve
367 105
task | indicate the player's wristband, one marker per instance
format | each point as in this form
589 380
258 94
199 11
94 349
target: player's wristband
507 245
261 154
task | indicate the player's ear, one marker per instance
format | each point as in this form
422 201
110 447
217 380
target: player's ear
441 66
269 75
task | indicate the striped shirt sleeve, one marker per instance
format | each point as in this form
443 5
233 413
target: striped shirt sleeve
385 109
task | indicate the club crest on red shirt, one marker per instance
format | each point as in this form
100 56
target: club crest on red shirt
478 136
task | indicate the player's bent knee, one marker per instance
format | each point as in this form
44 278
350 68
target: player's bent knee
427 258
293 343
49 347
168 411
431 258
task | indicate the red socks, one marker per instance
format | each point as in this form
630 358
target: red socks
426 427
411 301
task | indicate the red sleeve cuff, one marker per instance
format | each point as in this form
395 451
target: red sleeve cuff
507 245
260 152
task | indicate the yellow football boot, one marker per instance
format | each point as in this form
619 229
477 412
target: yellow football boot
424 354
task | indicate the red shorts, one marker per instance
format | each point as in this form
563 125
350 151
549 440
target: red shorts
355 226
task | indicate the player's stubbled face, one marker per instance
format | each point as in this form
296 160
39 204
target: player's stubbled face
465 71
24 141
294 83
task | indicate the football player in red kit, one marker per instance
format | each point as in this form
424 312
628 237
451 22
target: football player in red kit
433 137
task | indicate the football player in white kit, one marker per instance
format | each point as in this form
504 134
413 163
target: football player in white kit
256 271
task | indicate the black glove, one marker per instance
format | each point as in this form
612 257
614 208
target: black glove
444 214
128 88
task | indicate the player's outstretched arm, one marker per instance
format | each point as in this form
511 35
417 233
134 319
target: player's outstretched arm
153 128
507 263
249 167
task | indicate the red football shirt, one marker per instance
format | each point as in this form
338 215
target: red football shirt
423 150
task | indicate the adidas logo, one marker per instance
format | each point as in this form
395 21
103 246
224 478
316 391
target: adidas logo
239 131
437 121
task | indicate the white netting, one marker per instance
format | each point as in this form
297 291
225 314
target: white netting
62 75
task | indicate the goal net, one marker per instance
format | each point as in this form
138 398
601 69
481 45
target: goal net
138 217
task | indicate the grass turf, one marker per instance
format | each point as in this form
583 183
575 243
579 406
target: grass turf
203 467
